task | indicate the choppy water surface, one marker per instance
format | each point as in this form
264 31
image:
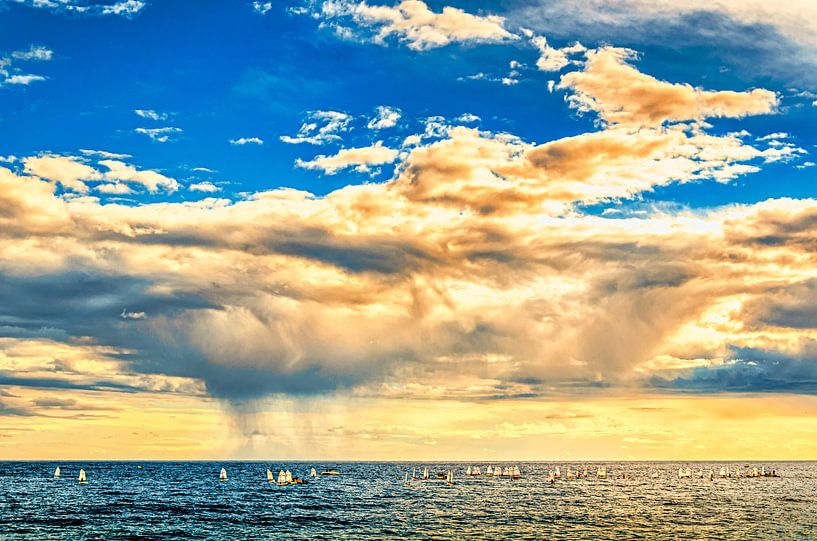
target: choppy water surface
174 500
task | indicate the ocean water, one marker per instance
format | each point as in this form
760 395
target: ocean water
185 500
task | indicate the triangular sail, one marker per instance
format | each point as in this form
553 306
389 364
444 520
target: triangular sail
82 477
425 473
223 474
468 471
57 472
270 477
289 476
282 477
313 473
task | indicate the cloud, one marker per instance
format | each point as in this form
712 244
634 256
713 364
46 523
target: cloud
359 158
123 8
476 272
159 135
261 7
417 25
320 128
151 180
620 94
23 79
206 187
150 114
246 141
385 117
552 59
35 52
68 171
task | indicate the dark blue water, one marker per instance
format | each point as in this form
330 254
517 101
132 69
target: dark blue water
173 500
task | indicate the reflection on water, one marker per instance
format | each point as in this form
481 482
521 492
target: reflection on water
174 500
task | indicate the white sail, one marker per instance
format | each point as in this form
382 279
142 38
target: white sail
425 473
468 471
723 472
313 473
270 477
289 476
489 470
516 472
57 472
82 478
601 473
223 474
405 481
282 477
414 473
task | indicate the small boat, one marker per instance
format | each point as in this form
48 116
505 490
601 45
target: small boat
223 475
425 473
724 472
476 471
489 470
406 481
139 467
551 478
557 472
569 476
270 477
601 473
57 472
82 478
289 477
654 475
313 473
468 471
282 478
450 478
515 472
414 474
330 472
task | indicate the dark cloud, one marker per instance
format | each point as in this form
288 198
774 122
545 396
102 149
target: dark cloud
754 371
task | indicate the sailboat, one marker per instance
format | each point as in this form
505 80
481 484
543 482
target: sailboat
551 478
414 474
489 470
557 472
723 472
425 474
282 478
313 473
223 475
82 479
450 478
406 482
516 473
270 477
57 472
601 473
569 475
289 476
468 471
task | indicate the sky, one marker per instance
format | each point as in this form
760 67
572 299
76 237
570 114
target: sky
348 230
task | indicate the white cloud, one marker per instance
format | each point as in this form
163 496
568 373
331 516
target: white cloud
321 127
385 117
413 22
35 52
151 180
126 8
207 187
359 158
468 118
160 135
23 79
104 154
69 171
246 141
150 114
261 7
114 188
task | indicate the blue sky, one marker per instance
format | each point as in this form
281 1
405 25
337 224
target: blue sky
224 71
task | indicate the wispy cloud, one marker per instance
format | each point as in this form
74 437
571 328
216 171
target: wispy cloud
320 128
246 141
151 114
160 135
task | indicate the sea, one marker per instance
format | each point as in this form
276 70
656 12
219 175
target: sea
186 500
